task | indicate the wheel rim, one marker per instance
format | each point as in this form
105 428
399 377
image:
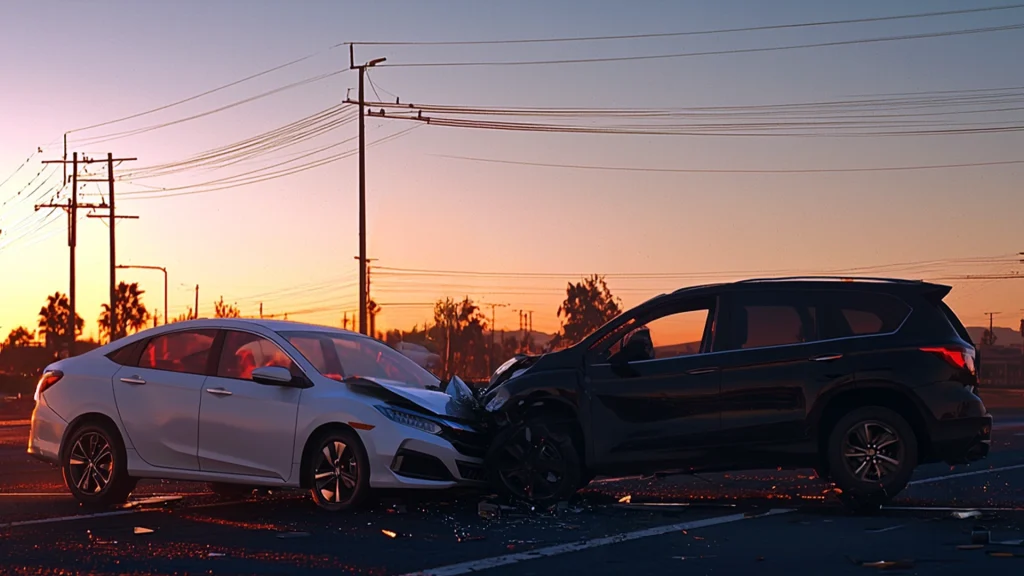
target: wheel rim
531 467
91 463
336 473
873 451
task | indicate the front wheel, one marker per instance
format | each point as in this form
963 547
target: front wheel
95 468
872 453
339 471
535 461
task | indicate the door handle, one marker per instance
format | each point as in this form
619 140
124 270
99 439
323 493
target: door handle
133 380
698 371
219 391
826 358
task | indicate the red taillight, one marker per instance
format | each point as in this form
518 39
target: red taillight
962 358
49 378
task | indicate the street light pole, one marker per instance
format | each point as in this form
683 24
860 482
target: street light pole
160 268
362 184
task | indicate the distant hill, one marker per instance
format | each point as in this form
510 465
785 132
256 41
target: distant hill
1004 336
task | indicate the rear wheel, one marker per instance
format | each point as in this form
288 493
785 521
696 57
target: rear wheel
535 461
872 452
339 471
94 465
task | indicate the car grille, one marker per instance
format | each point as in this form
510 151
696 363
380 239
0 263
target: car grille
471 471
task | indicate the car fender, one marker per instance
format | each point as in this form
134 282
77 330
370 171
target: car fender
826 396
361 416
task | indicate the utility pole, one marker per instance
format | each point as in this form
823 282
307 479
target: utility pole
363 297
261 310
73 224
991 334
364 277
492 367
160 268
195 315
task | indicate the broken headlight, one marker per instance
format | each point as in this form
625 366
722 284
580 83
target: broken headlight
410 419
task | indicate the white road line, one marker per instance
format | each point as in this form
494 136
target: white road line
507 559
964 475
68 518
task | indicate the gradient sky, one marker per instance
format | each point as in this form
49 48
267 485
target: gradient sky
290 242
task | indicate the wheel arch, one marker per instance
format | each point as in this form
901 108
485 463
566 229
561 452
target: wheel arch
541 403
307 448
879 393
90 418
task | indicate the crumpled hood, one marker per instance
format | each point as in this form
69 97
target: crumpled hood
453 403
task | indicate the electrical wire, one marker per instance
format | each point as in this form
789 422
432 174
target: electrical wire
833 43
732 171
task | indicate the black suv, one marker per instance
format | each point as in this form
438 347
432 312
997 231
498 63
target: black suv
861 379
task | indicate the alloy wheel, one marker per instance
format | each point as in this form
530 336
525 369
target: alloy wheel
336 473
872 451
92 463
530 466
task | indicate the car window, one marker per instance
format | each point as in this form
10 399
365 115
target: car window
126 355
761 321
351 356
244 352
678 330
187 351
863 314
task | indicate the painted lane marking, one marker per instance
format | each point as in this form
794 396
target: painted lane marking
68 518
964 475
507 559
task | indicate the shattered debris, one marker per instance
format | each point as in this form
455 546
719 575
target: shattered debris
488 510
389 533
215 555
627 499
143 530
965 514
890 564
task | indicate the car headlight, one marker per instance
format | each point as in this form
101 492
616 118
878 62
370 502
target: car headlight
410 419
499 399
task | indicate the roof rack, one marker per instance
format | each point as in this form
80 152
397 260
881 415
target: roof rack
831 278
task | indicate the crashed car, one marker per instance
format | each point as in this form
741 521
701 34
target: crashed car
241 403
861 380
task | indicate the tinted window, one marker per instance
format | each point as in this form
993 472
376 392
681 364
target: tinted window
759 321
863 314
179 351
126 355
244 352
676 330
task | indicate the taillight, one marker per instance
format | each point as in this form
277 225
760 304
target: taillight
49 378
959 357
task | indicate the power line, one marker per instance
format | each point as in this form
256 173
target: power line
961 32
731 171
206 93
690 33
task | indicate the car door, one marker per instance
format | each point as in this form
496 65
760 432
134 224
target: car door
158 397
246 427
658 412
772 357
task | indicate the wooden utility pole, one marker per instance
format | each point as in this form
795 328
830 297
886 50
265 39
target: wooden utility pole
363 297
195 315
364 286
72 209
492 366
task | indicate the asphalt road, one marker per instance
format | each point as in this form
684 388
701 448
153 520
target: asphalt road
776 522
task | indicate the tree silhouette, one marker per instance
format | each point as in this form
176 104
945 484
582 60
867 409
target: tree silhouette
131 312
459 332
222 310
587 306
53 320
19 337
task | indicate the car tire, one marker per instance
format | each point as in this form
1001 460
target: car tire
230 491
872 453
338 471
94 465
535 461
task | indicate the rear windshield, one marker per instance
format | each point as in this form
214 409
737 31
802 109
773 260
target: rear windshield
955 323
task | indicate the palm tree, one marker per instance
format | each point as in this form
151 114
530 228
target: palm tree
131 312
53 319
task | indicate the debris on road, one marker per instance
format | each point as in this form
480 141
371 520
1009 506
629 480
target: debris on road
215 555
488 510
890 564
627 499
965 514
143 530
389 533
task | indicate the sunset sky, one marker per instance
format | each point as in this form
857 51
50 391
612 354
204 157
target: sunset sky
289 242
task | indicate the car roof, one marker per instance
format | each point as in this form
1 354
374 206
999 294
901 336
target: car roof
819 283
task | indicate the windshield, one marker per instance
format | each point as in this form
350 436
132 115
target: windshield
337 355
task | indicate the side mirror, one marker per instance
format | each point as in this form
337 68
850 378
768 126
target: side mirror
272 376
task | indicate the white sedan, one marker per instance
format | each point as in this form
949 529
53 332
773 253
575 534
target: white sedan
241 403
